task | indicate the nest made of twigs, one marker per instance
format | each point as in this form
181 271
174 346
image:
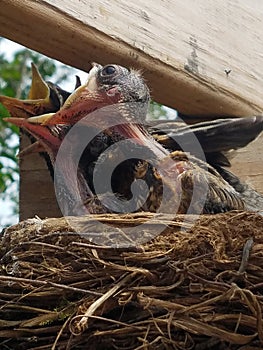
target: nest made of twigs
194 286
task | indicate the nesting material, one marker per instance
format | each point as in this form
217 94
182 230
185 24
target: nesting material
194 286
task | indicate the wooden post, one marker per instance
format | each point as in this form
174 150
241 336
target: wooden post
36 195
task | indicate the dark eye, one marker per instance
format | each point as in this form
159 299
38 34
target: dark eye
108 70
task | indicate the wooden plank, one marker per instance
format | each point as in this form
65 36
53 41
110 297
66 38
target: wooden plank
183 46
248 164
36 193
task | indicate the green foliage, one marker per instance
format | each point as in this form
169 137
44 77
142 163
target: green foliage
157 111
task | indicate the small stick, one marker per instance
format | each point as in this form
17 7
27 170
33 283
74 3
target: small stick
45 283
82 324
245 255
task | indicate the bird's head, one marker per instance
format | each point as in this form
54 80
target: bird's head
113 79
113 100
120 98
120 94
105 86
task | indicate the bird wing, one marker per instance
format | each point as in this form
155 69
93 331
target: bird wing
202 188
217 138
219 135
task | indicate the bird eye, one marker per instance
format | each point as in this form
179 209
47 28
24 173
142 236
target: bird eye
108 70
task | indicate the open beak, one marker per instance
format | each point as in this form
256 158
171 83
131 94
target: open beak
141 137
84 100
39 99
45 140
85 104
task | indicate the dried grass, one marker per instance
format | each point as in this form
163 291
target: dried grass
197 288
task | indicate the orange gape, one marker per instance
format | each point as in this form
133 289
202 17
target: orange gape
174 178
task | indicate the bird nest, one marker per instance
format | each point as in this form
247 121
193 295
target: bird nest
197 285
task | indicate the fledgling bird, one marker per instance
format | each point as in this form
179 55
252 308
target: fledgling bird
184 178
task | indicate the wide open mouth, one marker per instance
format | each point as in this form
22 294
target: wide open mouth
43 97
83 101
94 107
48 139
122 117
133 144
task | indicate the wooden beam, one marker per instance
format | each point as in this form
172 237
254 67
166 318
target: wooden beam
201 57
248 164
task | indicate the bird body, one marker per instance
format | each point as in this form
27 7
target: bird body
114 101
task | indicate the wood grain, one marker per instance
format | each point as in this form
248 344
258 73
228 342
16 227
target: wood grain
36 194
248 164
183 47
